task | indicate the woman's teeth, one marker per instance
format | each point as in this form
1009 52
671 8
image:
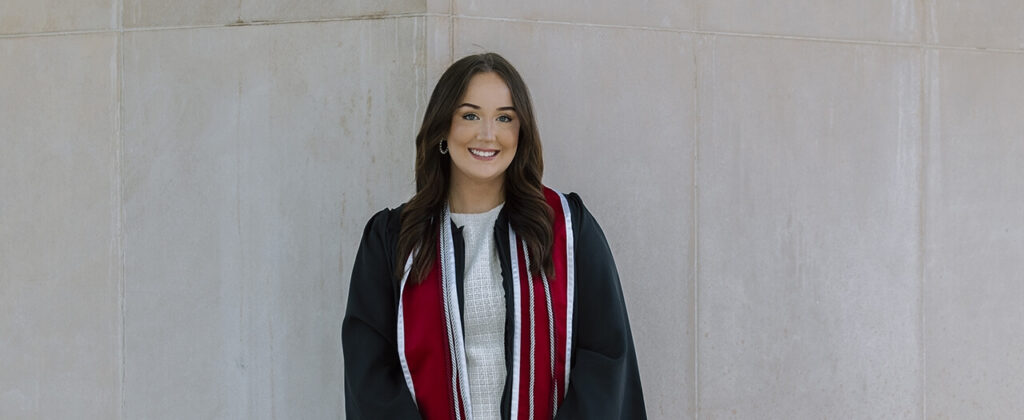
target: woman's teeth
482 153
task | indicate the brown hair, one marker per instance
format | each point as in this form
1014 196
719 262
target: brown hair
528 212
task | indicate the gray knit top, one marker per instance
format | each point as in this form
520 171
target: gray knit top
484 313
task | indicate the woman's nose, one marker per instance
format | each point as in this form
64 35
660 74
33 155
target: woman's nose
486 131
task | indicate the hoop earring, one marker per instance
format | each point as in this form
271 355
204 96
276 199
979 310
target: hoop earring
443 146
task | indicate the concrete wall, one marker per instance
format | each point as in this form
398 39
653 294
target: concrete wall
814 207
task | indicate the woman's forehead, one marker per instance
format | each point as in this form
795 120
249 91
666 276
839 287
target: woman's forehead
487 90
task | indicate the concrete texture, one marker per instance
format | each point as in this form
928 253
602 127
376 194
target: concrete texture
676 14
60 316
872 20
987 24
975 236
439 6
148 13
808 276
254 157
637 149
320 9
437 56
814 208
31 16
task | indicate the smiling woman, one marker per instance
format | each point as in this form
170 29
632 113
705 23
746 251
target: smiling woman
482 141
487 295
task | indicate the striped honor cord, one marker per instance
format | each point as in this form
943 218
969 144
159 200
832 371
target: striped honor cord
551 334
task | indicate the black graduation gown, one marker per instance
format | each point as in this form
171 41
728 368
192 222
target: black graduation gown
604 381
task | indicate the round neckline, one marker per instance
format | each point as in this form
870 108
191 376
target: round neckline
495 210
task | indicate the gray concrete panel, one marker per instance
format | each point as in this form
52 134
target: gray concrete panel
974 274
160 13
985 23
254 157
60 265
675 14
31 16
319 9
871 20
808 230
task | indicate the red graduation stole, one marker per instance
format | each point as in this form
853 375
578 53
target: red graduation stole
430 339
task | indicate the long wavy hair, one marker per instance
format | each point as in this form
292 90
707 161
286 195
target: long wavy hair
528 212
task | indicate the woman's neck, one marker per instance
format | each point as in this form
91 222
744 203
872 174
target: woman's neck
471 197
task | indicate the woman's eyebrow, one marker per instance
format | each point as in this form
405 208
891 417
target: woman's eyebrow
504 108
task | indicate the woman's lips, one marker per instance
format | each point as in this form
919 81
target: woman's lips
483 154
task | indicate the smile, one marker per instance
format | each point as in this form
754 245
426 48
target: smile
483 153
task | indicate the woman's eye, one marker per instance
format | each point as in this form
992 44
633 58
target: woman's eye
505 118
470 117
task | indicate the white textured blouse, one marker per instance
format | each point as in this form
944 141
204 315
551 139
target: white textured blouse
484 313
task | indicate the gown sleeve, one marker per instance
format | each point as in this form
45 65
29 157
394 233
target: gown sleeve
374 383
604 381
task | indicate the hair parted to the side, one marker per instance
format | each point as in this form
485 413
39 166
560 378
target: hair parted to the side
528 212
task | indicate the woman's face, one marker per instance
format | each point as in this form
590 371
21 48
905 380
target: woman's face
484 133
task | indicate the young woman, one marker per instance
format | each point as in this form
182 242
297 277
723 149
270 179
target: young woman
486 295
